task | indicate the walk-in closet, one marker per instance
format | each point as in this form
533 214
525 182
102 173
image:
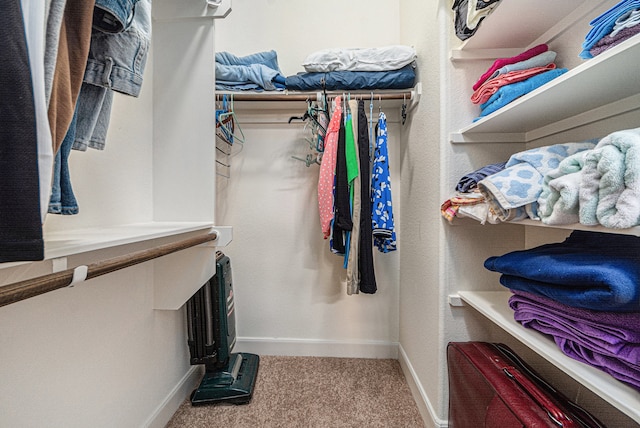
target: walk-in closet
95 330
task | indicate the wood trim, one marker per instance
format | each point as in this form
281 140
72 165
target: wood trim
32 287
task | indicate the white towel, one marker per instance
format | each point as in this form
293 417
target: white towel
610 186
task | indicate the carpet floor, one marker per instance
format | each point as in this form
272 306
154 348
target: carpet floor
315 392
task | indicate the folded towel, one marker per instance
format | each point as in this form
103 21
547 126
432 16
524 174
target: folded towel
616 334
611 40
508 93
491 86
469 181
609 341
558 202
539 60
603 24
520 183
588 270
620 370
501 62
610 186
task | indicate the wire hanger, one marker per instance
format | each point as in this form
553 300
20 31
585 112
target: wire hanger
229 132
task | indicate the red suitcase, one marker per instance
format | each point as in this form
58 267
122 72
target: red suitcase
490 386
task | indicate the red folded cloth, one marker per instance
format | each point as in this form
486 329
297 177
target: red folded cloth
491 86
501 62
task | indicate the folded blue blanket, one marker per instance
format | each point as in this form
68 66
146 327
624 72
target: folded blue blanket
589 270
508 93
256 71
403 78
609 341
603 24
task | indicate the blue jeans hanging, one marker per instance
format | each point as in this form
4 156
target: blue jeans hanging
63 201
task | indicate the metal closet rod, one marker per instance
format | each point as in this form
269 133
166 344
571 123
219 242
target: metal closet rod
32 287
314 95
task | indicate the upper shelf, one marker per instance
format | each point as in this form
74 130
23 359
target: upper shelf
493 305
551 18
599 88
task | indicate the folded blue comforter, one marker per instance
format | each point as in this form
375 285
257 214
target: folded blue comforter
589 270
402 78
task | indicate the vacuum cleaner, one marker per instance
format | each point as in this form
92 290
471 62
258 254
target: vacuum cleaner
229 377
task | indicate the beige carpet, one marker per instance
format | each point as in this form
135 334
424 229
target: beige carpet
315 392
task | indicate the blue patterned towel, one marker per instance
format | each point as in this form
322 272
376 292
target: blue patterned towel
610 186
469 181
520 183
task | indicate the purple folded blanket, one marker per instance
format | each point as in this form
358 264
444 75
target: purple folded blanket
609 341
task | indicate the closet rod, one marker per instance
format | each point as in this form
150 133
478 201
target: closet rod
303 97
22 290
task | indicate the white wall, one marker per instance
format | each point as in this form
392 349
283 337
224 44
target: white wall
297 28
290 290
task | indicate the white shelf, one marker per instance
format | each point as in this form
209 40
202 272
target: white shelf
70 242
576 226
612 87
494 305
551 18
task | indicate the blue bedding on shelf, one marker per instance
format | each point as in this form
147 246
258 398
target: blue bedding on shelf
589 270
402 78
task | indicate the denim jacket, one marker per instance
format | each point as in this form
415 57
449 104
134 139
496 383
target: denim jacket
117 60
113 16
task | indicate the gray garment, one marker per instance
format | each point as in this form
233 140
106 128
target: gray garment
55 13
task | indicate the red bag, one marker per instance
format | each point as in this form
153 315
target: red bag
491 387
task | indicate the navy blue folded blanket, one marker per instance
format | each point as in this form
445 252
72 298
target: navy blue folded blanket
402 78
589 270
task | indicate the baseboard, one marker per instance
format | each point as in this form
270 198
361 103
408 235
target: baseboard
175 398
429 415
317 348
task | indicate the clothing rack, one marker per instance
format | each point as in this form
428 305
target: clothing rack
409 95
32 287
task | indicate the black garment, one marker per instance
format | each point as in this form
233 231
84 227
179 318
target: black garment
20 221
365 256
460 9
342 207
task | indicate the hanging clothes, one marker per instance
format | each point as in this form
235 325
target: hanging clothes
353 177
20 214
367 275
384 235
342 211
326 176
72 53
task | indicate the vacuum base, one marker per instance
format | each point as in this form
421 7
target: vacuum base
233 384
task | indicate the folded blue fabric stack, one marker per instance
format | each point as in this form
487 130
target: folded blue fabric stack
255 72
509 93
623 14
585 293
